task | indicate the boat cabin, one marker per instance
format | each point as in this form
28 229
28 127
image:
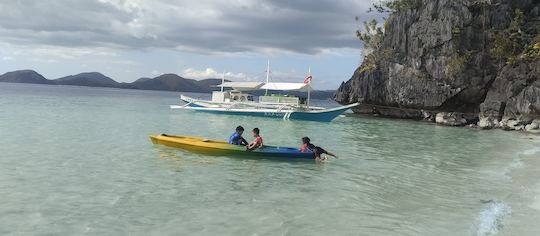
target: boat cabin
238 88
238 96
231 96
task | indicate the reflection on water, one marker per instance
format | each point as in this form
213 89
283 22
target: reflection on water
78 160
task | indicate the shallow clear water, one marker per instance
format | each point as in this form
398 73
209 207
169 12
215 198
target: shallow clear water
77 160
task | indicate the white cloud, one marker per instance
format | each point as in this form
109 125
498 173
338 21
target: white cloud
44 60
155 73
7 58
57 52
125 62
211 73
292 76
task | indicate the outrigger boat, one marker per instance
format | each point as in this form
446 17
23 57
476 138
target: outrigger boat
215 147
238 102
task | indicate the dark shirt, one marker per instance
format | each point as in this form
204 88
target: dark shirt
315 149
307 147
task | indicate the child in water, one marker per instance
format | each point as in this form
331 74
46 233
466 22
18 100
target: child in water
318 151
257 142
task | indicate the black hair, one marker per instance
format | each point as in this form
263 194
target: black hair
256 130
239 128
306 140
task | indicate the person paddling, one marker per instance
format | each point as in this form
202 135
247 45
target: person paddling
236 138
317 151
257 142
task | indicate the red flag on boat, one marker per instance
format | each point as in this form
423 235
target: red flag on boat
308 79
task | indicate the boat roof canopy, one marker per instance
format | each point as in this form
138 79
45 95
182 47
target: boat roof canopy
286 86
249 86
242 86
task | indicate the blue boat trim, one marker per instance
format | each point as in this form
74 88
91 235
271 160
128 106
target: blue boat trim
321 116
288 152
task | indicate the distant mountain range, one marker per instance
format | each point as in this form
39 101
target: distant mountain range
165 82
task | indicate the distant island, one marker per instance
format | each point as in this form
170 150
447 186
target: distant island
165 82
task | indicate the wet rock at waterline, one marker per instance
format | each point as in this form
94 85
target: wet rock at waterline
450 119
533 126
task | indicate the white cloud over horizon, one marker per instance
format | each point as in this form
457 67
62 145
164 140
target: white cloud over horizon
211 73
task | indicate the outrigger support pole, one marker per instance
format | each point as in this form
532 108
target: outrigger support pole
222 80
267 77
309 88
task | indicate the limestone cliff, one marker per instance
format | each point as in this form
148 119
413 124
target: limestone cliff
439 57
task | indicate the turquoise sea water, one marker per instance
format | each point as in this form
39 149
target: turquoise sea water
77 160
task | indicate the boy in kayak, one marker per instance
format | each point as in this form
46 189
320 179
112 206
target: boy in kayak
318 151
257 142
237 138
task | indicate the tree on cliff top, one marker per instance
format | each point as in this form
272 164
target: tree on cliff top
391 6
372 35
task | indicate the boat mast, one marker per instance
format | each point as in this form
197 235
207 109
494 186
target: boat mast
309 87
267 76
222 80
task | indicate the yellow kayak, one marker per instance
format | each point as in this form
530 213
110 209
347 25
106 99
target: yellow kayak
217 147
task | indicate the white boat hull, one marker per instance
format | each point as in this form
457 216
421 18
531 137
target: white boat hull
286 113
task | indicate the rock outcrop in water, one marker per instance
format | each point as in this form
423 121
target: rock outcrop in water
438 61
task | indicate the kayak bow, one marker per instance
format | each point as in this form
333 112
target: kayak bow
216 147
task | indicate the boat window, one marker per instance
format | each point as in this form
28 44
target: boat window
243 99
250 98
235 98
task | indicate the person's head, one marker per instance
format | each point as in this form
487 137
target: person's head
256 132
306 140
240 129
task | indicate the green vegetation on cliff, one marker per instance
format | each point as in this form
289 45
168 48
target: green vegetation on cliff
392 6
514 43
372 36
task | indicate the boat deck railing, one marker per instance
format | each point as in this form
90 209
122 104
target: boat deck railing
279 100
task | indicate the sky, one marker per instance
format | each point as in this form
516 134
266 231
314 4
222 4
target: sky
130 39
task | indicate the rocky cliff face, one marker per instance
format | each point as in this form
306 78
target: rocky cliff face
513 102
437 58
